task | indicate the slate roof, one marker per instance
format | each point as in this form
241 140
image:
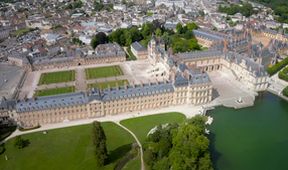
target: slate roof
50 102
138 47
207 35
256 69
136 91
199 54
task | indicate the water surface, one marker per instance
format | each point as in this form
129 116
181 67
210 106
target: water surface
252 138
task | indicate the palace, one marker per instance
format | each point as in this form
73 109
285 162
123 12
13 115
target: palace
104 53
188 83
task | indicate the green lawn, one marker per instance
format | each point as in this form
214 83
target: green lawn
134 164
104 85
131 56
55 91
142 125
67 148
101 72
57 77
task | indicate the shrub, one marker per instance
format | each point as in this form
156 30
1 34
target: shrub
21 143
283 74
285 92
277 67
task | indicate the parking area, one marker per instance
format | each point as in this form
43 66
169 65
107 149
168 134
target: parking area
10 77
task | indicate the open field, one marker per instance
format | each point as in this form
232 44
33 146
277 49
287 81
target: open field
55 91
66 148
57 77
101 72
142 125
111 84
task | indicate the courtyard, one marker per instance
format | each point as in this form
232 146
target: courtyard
83 78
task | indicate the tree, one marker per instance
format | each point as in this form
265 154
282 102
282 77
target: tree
99 141
20 143
99 38
147 30
179 28
158 32
98 6
192 26
191 147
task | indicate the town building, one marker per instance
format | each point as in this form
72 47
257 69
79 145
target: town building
138 50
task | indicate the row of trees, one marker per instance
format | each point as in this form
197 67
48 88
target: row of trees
99 142
245 9
284 74
180 41
179 147
277 67
285 91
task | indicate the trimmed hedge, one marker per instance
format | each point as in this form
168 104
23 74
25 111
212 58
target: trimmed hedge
285 92
277 67
26 129
283 74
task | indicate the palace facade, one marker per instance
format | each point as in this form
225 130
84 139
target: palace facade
188 83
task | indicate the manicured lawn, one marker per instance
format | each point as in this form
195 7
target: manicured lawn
101 72
55 91
67 148
104 85
142 125
131 56
57 77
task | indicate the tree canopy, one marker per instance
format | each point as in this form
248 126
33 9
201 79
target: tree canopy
245 9
280 8
180 41
179 147
99 38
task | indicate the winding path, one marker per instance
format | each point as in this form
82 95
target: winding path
138 142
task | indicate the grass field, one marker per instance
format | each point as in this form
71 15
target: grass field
67 148
134 164
142 125
55 91
57 77
101 72
104 85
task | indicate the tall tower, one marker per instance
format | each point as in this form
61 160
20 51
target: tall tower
152 50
